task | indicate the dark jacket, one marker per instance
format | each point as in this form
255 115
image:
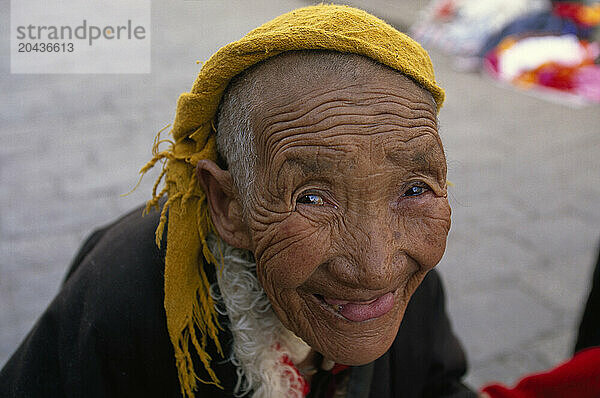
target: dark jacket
105 334
589 329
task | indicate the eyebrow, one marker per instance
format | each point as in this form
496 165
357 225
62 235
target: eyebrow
309 166
418 157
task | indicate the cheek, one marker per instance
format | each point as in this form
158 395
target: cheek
288 252
426 226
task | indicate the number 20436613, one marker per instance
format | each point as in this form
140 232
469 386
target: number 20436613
45 47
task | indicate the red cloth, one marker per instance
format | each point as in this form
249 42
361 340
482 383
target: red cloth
581 14
568 10
578 377
297 381
338 368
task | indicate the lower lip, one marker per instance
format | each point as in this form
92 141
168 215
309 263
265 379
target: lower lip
356 312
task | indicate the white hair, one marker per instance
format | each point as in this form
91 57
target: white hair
234 133
262 347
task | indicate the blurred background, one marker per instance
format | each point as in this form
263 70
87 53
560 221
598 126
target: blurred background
521 127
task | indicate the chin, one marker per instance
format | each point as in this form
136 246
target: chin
360 353
351 343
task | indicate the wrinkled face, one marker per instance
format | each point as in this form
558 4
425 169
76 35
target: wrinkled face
349 209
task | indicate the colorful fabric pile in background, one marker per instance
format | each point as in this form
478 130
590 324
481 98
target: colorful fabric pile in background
462 27
548 47
563 63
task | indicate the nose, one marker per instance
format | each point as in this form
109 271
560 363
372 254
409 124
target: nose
373 259
376 260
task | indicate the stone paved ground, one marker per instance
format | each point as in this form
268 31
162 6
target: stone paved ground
525 202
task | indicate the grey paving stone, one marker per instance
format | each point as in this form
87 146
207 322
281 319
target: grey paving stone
32 291
9 333
51 217
497 320
7 336
32 170
507 368
36 252
556 347
17 144
559 237
480 261
30 272
562 282
478 206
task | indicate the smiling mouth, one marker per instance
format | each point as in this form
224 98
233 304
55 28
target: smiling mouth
359 311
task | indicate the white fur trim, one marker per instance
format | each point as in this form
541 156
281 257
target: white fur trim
259 339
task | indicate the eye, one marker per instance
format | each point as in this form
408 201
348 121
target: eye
311 199
416 190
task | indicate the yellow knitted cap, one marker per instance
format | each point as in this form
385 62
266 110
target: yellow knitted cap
191 316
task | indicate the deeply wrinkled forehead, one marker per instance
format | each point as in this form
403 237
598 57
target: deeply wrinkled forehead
316 89
297 73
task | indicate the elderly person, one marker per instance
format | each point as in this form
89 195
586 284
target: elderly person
306 207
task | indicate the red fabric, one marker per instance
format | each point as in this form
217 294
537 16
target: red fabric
585 16
579 377
296 378
556 76
446 10
338 368
567 10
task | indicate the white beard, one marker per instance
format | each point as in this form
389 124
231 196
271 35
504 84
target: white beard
260 341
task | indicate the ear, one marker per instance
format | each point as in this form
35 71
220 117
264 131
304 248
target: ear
224 204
